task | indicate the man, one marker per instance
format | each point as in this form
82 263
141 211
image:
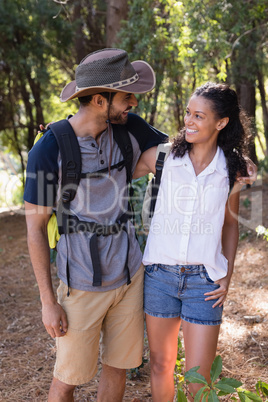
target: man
112 309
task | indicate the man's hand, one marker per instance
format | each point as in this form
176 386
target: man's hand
252 173
54 319
42 127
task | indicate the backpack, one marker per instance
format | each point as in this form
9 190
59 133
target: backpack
63 222
150 197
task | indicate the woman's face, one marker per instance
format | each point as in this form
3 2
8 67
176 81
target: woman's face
201 123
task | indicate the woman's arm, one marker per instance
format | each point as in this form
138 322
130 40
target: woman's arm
230 236
230 230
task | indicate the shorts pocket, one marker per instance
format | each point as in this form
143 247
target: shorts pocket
150 269
204 275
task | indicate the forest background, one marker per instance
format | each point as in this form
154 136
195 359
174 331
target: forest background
187 43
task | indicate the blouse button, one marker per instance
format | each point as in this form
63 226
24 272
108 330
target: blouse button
93 145
102 162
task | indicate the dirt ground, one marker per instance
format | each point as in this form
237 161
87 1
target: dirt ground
27 352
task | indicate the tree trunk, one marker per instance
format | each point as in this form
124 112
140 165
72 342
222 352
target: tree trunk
79 36
15 139
247 98
116 12
28 114
264 108
19 150
154 107
39 119
244 69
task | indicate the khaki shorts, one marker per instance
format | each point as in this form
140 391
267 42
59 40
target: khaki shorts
112 319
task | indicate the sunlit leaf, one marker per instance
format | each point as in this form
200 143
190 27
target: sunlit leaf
216 368
181 396
194 377
243 397
225 388
230 381
262 387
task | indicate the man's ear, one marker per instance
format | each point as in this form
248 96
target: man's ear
98 100
222 123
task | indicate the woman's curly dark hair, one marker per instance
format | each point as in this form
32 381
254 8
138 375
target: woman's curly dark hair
234 138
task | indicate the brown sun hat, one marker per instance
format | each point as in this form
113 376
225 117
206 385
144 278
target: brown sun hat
109 70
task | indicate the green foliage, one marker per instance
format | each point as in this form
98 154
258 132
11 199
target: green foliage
139 187
53 256
156 34
218 386
216 369
262 389
17 195
246 202
187 43
244 235
11 190
31 40
180 357
135 372
192 376
263 164
190 42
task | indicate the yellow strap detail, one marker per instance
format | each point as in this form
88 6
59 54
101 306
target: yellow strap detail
39 135
52 231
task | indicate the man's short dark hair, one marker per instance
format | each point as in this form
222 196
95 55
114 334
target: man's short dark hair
84 100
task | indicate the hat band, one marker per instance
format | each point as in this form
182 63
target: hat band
114 85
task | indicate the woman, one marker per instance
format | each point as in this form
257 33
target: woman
190 251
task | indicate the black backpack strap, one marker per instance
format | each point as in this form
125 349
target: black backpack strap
122 138
71 158
119 166
156 180
71 166
93 243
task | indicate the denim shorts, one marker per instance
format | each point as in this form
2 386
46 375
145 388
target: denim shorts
178 291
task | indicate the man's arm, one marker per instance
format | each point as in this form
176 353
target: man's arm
252 171
53 316
146 163
146 135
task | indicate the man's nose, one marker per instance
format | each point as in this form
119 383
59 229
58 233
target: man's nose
133 100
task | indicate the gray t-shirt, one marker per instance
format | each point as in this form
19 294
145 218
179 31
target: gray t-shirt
101 199
98 199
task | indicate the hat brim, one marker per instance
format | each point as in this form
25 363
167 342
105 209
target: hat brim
145 83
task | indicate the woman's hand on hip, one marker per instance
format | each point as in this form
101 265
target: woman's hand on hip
220 294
